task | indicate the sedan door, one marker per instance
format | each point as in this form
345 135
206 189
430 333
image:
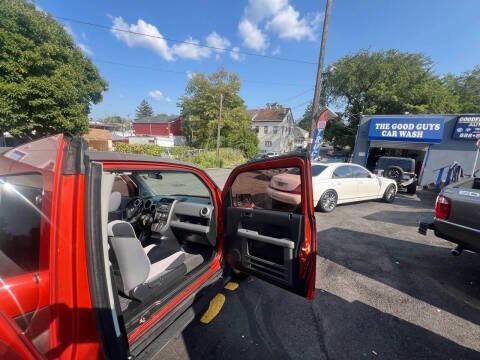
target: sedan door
344 183
270 231
367 184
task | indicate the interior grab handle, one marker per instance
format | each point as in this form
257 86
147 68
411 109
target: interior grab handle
254 235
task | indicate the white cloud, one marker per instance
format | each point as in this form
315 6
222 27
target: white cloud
157 95
190 74
153 41
275 51
252 36
258 10
288 24
277 17
84 36
68 28
85 49
218 42
235 54
190 50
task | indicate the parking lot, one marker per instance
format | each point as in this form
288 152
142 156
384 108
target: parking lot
383 292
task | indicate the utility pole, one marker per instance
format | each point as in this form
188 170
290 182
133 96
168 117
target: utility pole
218 127
321 57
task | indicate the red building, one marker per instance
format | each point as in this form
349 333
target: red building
159 125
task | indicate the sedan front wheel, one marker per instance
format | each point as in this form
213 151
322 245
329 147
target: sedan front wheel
328 201
389 194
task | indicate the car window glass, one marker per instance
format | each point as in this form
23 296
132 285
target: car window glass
270 189
170 183
20 220
343 172
317 169
359 172
120 185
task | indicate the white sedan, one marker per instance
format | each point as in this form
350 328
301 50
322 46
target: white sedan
334 183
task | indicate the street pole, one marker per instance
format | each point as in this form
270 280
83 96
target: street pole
321 58
218 127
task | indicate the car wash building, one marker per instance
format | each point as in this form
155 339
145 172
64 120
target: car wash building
434 141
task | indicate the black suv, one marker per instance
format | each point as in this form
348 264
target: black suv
400 169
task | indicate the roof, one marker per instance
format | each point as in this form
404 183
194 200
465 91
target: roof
268 114
118 156
159 119
98 134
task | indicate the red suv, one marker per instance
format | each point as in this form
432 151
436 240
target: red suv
111 255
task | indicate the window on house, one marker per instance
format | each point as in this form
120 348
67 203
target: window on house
268 144
265 129
257 129
275 129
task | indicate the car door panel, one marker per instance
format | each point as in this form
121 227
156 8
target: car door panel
274 244
268 242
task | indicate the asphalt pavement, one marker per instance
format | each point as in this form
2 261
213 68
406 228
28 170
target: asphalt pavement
383 292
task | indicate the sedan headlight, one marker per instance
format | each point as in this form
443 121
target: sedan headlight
405 177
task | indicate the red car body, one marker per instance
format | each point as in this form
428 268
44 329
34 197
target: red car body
63 301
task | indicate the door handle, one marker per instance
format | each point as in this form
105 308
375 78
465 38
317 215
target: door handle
247 214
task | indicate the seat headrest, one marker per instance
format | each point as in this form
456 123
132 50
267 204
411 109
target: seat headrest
114 201
121 228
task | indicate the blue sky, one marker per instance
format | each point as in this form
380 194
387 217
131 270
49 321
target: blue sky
447 31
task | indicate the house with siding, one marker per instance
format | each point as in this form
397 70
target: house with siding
275 128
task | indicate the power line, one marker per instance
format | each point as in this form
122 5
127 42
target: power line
110 28
184 73
300 105
298 95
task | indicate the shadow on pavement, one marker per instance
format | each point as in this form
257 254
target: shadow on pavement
260 321
428 273
400 217
423 199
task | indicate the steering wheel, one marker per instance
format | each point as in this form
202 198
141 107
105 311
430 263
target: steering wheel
394 172
134 209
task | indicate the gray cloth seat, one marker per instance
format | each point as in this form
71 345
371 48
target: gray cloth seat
132 261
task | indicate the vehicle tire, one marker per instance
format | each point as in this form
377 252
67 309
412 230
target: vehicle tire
389 194
328 201
412 188
394 172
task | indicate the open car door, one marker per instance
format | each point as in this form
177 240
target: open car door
269 222
13 344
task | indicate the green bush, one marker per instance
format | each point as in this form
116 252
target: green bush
203 158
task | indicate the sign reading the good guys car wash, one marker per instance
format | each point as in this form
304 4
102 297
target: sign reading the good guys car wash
408 129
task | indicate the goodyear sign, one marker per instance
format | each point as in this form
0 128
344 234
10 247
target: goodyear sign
467 127
407 129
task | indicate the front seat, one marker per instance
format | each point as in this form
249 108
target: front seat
137 273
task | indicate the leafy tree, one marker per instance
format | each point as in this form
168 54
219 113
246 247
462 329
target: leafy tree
306 121
200 107
143 110
467 88
46 83
386 82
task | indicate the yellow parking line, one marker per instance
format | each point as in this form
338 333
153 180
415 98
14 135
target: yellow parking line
214 308
232 286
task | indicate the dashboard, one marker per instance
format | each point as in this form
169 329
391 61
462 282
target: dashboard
190 219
